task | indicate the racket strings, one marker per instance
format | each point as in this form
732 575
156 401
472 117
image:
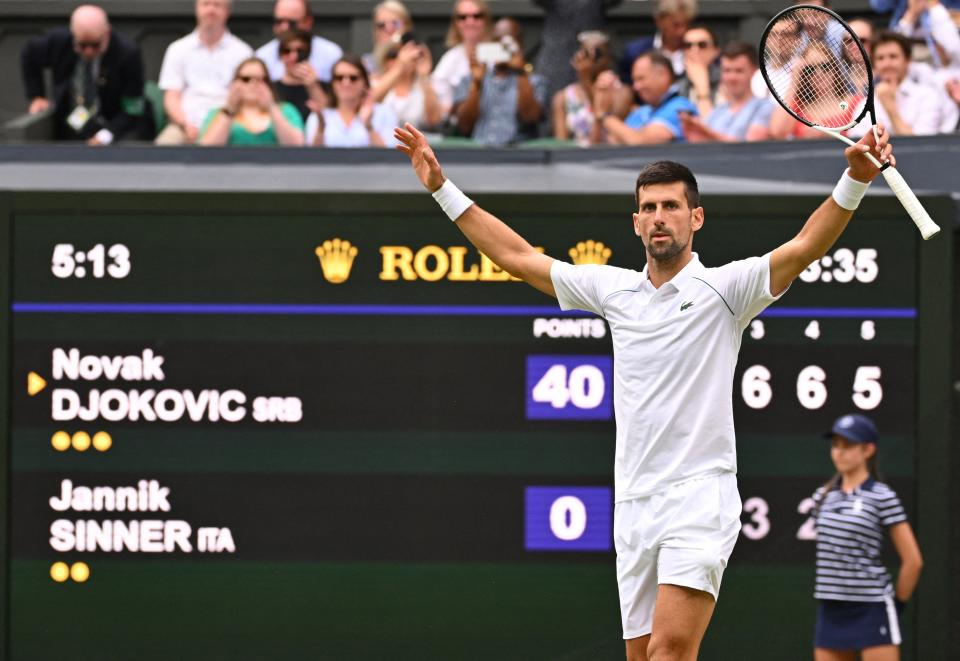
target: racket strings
815 68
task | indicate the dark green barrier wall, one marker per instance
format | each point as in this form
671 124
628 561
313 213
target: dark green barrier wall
341 468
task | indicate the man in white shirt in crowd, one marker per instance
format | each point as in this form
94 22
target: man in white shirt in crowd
742 116
676 328
197 71
903 105
296 15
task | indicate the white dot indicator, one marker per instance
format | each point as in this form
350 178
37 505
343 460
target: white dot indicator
827 276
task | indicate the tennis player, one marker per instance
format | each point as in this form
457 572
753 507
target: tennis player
676 328
858 607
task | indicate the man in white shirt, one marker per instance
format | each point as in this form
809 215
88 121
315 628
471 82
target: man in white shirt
197 71
296 15
676 329
906 106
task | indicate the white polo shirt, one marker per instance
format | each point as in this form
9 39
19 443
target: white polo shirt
203 74
674 352
918 105
323 55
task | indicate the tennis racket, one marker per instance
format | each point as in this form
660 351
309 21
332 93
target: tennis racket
818 71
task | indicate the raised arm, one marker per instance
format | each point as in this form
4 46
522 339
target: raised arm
826 224
489 234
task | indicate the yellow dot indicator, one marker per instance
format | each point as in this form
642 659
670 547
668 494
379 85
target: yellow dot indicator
102 441
60 441
59 572
81 441
80 572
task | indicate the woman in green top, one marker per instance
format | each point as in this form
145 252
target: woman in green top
251 114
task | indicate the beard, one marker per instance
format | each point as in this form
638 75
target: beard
665 252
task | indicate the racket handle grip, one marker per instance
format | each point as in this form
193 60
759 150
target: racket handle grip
920 217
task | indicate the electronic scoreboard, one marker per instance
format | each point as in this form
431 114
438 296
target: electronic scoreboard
267 426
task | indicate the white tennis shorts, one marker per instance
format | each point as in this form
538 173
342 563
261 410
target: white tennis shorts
681 536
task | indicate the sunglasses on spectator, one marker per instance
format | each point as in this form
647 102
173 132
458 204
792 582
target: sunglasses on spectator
848 41
301 52
823 66
288 21
478 16
687 45
784 34
340 77
389 25
250 79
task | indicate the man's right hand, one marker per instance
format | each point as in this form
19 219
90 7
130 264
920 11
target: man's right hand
39 104
425 164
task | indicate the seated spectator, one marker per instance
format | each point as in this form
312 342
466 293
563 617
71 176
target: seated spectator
813 95
97 79
469 25
391 20
742 116
573 116
930 22
299 85
251 114
923 74
405 85
672 18
903 106
500 104
295 15
197 70
658 119
701 66
354 120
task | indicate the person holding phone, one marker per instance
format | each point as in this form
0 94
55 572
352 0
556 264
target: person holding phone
405 84
299 84
391 22
469 25
502 100
858 606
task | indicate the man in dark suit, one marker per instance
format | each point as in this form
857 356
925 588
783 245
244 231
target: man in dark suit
672 18
97 80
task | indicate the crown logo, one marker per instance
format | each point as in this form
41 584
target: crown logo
336 259
590 252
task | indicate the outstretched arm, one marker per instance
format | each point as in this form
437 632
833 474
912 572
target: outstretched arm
489 234
826 223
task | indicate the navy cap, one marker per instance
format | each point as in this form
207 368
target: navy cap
855 428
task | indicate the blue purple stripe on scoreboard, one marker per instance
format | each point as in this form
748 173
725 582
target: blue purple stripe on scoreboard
31 307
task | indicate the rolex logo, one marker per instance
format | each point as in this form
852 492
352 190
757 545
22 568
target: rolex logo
590 252
336 259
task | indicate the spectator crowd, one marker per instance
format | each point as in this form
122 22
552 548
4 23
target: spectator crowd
680 84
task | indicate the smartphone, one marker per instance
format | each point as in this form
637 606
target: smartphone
492 52
407 37
302 56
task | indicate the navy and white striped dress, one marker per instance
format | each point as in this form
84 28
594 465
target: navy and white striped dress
850 532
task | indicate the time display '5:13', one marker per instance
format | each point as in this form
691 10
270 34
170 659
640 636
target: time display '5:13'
98 261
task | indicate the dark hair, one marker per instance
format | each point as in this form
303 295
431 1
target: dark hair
707 29
667 172
891 37
658 59
295 34
354 61
740 49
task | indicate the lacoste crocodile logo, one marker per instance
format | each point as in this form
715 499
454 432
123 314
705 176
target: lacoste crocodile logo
686 305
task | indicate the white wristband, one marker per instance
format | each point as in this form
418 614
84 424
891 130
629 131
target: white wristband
452 200
849 191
